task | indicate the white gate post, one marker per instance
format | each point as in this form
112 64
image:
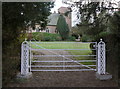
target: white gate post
25 58
101 58
101 62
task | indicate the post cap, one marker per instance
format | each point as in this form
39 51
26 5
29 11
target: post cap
25 39
100 39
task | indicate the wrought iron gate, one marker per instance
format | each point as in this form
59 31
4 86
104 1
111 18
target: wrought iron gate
52 60
62 62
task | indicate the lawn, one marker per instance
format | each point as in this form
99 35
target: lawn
61 45
68 45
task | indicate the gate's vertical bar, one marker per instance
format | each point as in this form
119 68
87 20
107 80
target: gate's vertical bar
30 56
96 49
22 59
63 63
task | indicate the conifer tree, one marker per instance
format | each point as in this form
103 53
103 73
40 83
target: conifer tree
62 27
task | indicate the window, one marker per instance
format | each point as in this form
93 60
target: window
47 30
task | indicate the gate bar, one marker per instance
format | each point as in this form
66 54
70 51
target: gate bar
68 61
61 66
61 42
60 55
68 70
59 49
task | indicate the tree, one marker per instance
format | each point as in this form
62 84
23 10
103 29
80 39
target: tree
16 17
62 27
105 24
95 19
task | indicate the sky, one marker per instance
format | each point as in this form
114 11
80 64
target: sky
75 20
58 4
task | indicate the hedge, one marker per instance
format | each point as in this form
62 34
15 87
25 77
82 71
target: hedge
42 36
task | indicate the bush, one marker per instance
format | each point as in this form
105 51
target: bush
42 36
85 38
71 38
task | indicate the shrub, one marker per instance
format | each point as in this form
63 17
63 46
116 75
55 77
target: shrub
86 38
42 36
71 38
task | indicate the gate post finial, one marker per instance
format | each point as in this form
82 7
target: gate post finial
25 39
101 62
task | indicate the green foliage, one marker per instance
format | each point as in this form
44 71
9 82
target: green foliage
16 17
76 31
103 25
71 38
85 38
41 36
114 24
14 22
94 20
62 27
113 45
38 36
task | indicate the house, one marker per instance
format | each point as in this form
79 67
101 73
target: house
52 21
51 26
53 18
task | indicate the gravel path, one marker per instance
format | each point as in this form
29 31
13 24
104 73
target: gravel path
61 79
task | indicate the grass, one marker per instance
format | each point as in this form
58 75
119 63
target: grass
68 45
61 45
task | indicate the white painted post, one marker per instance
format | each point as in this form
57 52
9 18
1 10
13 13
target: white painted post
101 63
101 58
25 61
24 58
30 57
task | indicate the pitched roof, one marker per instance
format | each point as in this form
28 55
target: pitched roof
53 18
64 9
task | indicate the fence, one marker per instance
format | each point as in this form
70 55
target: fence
26 58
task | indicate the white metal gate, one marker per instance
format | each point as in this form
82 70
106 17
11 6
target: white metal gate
63 62
52 60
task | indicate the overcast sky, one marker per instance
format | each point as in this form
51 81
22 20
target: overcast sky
75 20
58 4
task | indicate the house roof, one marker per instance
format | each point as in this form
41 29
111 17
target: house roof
53 18
63 10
